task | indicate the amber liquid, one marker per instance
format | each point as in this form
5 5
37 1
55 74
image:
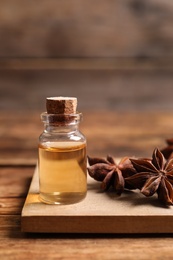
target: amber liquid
62 172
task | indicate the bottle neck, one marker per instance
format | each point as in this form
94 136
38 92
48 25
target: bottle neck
57 123
65 129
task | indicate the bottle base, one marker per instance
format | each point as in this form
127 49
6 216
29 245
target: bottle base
61 198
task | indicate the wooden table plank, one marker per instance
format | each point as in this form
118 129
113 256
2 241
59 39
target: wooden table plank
15 181
11 206
74 247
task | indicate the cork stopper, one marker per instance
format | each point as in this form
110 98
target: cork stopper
61 105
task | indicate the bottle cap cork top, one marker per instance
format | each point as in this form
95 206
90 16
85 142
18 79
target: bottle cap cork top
61 105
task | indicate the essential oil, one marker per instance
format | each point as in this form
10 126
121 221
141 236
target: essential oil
62 172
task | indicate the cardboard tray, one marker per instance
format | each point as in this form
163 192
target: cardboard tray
99 212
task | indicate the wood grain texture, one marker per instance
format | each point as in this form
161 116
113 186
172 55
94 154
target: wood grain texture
115 90
11 205
86 29
118 134
14 182
74 247
113 63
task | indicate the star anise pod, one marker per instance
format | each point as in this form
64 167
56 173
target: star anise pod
153 176
168 150
110 173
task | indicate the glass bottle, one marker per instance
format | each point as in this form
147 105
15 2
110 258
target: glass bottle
62 159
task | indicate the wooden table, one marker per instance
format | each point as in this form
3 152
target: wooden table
107 132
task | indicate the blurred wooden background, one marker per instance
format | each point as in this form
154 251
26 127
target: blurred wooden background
114 54
93 28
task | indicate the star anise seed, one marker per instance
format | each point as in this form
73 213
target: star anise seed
155 175
110 173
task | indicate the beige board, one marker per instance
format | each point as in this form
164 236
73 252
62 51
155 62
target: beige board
99 212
